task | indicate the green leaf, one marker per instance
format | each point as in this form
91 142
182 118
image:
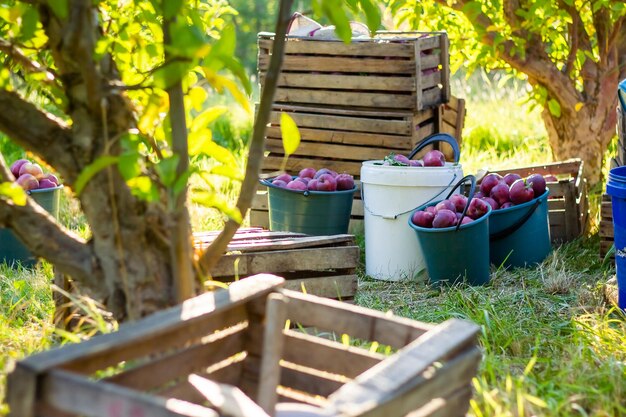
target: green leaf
228 171
142 187
92 169
166 168
204 119
187 41
170 74
129 165
198 96
290 133
30 18
59 8
554 107
209 199
12 191
372 15
198 140
171 8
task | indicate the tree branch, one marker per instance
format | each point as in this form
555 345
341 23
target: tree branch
39 132
211 255
17 56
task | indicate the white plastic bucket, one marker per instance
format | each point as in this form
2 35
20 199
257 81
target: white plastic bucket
389 194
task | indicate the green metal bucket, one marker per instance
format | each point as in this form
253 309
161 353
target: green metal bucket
12 250
520 235
317 213
456 254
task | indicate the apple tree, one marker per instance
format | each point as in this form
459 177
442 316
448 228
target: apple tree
572 52
113 95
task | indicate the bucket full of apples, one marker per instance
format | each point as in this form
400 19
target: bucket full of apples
45 190
453 235
519 228
314 202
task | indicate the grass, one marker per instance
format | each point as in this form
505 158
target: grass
552 346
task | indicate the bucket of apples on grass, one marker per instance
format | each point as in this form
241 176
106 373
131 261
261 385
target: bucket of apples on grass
45 190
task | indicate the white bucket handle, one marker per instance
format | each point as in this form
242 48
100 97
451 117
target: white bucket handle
395 216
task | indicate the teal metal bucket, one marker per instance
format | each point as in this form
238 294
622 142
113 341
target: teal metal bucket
456 254
318 213
12 250
520 235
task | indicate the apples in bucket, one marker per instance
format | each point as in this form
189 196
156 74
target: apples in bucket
432 158
511 190
30 176
310 179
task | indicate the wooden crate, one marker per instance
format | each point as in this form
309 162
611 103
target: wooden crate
402 71
342 139
606 226
620 158
229 353
567 203
320 265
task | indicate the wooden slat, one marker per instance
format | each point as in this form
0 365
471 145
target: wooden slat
339 48
162 370
228 400
355 321
325 355
356 124
390 142
351 111
22 391
159 331
347 98
338 287
456 404
326 150
557 168
349 65
349 82
73 393
382 383
309 380
303 259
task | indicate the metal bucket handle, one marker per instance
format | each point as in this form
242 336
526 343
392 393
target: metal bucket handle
438 137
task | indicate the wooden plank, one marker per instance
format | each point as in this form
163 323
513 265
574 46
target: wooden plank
326 355
289 395
326 150
345 98
338 287
76 394
349 65
304 259
170 327
357 322
347 111
228 400
445 67
606 229
356 124
156 373
324 47
399 373
21 393
455 405
349 82
454 375
310 380
571 167
347 138
273 345
260 218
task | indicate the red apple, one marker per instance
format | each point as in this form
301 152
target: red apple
402 159
283 177
538 183
521 192
296 185
488 182
46 183
477 208
15 167
434 158
312 185
510 178
326 182
307 173
423 218
279 183
459 201
445 204
51 177
28 182
33 169
500 193
345 182
323 171
444 218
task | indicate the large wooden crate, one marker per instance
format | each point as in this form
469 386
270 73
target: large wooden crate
231 353
341 139
320 265
567 203
402 71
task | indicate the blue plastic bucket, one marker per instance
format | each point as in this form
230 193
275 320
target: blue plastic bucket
318 213
458 253
616 188
12 250
520 235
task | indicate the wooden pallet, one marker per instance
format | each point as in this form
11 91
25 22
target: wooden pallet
567 203
403 71
341 139
229 353
320 265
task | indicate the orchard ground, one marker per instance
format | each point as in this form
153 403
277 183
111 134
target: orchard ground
552 345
